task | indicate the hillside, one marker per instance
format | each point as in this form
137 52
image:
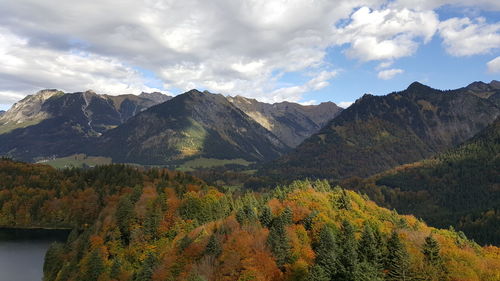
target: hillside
460 187
290 122
377 133
55 123
192 125
161 225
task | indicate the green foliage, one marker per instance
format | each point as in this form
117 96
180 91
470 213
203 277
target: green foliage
146 271
398 260
125 215
94 267
430 249
213 247
266 217
349 268
53 261
327 255
279 243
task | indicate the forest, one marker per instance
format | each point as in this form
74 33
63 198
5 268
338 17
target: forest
131 223
459 187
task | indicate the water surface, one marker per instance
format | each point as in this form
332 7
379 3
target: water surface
22 252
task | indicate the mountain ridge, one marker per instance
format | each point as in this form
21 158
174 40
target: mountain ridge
379 132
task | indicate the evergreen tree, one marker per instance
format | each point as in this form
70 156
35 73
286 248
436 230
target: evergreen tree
279 243
370 255
397 261
287 216
213 247
327 252
430 250
95 266
53 262
146 272
317 273
266 217
124 217
349 267
152 221
116 269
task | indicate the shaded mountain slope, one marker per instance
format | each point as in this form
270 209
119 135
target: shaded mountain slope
290 122
377 133
193 124
460 187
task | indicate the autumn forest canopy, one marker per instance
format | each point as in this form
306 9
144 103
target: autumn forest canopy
153 224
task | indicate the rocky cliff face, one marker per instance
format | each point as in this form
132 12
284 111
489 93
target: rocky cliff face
290 122
379 132
194 124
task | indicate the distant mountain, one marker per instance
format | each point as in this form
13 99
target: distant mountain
460 187
194 124
55 123
2 112
377 133
290 122
156 97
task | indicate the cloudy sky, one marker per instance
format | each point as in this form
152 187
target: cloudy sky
298 50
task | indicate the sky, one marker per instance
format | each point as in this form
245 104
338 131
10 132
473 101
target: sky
306 51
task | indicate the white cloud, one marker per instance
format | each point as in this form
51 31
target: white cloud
389 73
386 34
233 47
465 37
494 65
294 93
345 104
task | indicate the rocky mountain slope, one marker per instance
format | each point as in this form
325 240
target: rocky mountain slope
380 132
290 122
194 124
55 123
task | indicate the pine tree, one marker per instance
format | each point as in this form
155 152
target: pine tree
124 217
279 243
430 250
213 247
266 217
317 273
370 255
53 261
287 216
146 272
327 252
152 221
349 267
116 269
95 266
397 261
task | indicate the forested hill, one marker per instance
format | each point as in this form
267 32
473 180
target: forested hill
161 225
460 187
378 133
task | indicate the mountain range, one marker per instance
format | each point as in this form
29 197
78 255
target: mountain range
377 133
153 128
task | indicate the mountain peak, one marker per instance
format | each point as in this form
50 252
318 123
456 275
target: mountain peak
417 86
156 97
495 84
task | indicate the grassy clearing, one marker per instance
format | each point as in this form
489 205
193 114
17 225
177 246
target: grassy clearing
77 161
201 163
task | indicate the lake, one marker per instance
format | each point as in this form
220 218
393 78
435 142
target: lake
22 252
